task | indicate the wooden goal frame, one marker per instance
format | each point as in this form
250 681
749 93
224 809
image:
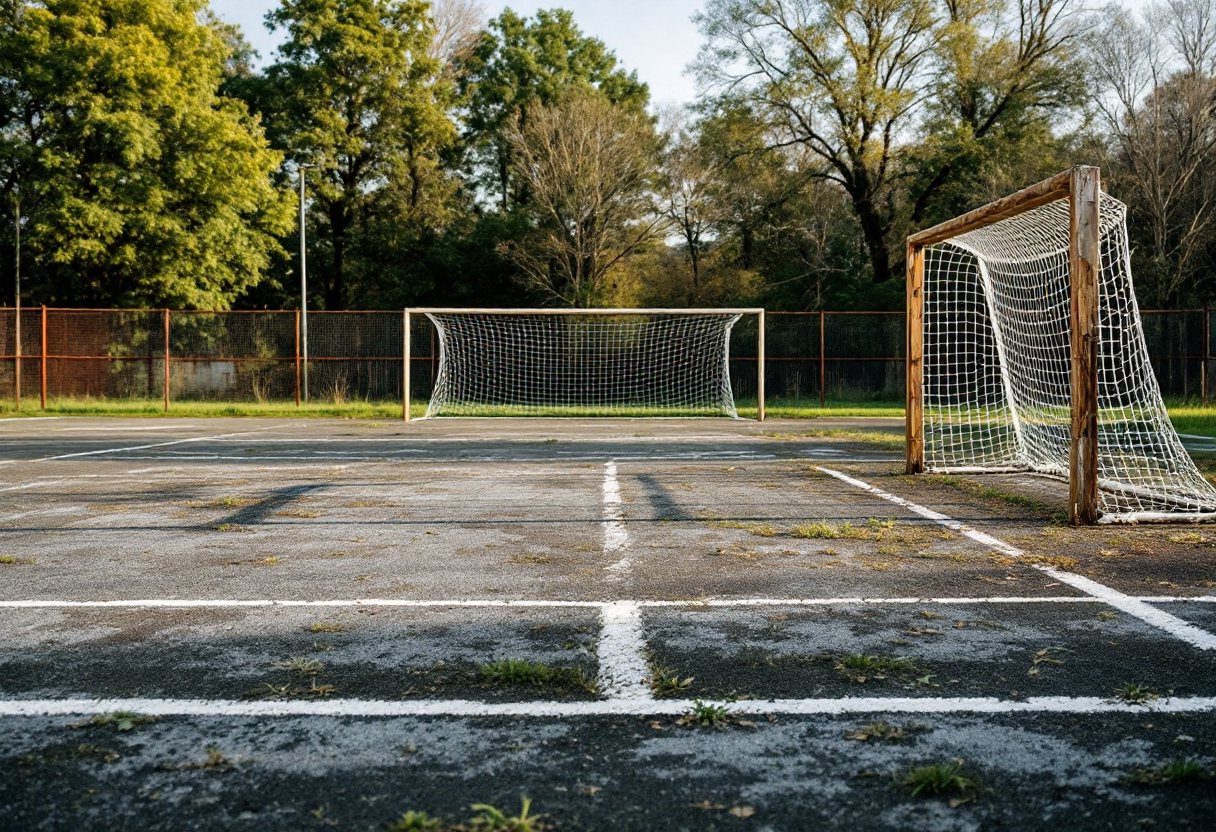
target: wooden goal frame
1082 187
440 310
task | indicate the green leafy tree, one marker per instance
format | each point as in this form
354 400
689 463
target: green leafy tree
853 81
1008 76
359 91
140 184
519 63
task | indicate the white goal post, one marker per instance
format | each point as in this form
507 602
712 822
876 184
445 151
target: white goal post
1026 353
583 362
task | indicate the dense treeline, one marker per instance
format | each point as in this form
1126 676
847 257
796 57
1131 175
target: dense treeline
455 161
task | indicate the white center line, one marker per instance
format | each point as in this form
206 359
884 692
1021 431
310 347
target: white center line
1148 614
616 538
622 653
638 707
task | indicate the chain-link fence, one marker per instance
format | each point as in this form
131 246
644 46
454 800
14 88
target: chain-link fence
339 357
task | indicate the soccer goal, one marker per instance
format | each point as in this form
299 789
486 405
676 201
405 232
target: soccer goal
585 362
1026 353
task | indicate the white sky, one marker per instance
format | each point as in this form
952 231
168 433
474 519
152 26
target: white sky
655 37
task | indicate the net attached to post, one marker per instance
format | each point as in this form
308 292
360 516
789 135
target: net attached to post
997 367
548 364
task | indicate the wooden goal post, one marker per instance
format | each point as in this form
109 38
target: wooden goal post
1082 187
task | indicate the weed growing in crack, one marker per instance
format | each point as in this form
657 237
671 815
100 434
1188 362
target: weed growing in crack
882 731
1173 773
1134 693
491 818
665 683
862 668
120 720
416 822
303 665
1048 656
327 627
527 673
711 715
939 780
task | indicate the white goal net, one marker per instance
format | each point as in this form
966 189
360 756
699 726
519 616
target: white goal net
583 363
997 366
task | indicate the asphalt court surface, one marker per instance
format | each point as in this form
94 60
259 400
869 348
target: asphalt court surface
308 608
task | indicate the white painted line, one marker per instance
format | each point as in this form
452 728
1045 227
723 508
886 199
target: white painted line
137 447
929 514
616 538
49 481
622 653
843 601
183 603
694 603
135 429
1160 619
627 707
30 419
59 510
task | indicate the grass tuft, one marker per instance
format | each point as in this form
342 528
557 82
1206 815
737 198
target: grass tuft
882 731
706 715
492 819
938 780
303 665
1174 773
120 720
665 683
862 668
527 673
416 822
1133 693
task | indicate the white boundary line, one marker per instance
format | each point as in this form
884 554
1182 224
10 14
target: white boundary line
1173 625
634 707
616 537
140 447
622 653
722 603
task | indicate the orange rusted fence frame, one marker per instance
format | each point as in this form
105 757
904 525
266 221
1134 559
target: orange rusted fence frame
808 355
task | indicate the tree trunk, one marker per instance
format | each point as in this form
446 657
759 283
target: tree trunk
874 231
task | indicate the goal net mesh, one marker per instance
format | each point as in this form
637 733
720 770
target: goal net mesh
997 369
590 364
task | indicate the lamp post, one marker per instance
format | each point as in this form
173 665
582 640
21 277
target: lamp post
301 167
17 306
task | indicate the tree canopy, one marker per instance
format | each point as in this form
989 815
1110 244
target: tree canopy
138 183
451 159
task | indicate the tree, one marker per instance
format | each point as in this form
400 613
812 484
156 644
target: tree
689 198
1007 74
359 92
853 80
521 63
1159 109
588 165
141 185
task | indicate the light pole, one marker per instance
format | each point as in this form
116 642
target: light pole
17 306
301 167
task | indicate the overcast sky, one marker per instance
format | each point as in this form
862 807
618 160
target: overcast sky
655 37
